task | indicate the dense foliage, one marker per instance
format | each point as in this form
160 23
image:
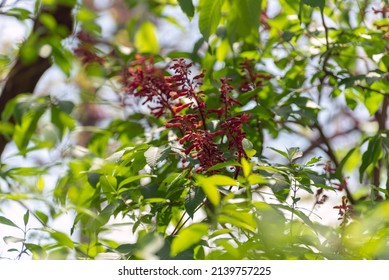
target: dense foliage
230 148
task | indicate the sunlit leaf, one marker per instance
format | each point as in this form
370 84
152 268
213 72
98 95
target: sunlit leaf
133 179
38 253
221 180
188 237
40 184
146 38
210 189
62 238
223 165
241 218
246 167
256 179
26 129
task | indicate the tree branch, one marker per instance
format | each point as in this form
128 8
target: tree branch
330 152
23 77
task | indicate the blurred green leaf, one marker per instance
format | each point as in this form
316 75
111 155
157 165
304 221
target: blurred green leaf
26 129
210 15
8 222
187 7
371 156
12 239
188 237
26 217
224 165
146 38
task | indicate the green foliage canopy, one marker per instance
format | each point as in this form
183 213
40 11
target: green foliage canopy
180 147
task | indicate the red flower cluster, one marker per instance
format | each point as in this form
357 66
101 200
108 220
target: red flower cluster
343 185
86 50
143 79
253 79
179 94
345 211
320 198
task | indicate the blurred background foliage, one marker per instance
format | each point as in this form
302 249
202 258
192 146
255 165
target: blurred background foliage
88 171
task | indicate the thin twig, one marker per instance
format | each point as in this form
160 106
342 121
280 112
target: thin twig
330 152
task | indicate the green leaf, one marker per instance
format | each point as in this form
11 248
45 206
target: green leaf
312 3
12 239
234 216
38 253
218 232
282 153
42 217
244 19
188 237
105 214
223 50
339 170
40 184
26 217
146 38
224 165
210 15
29 50
209 186
26 129
19 13
193 199
248 147
93 179
246 167
154 155
126 248
133 179
313 161
62 57
187 7
62 238
294 153
108 185
371 155
61 120
8 222
66 106
210 189
253 179
48 21
315 3
287 36
373 101
221 180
